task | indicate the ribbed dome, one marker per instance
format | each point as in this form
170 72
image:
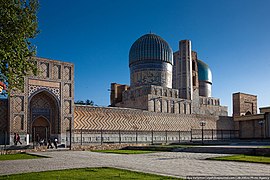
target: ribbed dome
150 47
204 72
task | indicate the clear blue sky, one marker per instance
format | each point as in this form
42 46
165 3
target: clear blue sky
231 36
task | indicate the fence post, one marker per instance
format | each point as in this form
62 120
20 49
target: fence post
179 137
191 135
5 142
212 134
152 137
221 134
119 137
81 136
101 136
34 138
136 137
166 136
70 134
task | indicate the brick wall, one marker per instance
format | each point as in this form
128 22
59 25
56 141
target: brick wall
87 117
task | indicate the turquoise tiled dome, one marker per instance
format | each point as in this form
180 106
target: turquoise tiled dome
150 47
204 72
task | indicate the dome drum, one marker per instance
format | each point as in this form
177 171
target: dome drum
158 74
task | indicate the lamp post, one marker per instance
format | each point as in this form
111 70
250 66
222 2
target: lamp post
202 124
261 123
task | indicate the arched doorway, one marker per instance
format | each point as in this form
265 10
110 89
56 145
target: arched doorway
41 129
44 115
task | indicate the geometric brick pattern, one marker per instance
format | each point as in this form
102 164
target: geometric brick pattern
18 104
41 89
56 74
44 102
67 90
18 123
67 107
35 88
44 69
87 117
67 73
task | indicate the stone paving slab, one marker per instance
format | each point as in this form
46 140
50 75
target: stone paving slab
179 164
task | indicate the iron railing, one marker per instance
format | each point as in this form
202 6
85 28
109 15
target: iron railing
86 136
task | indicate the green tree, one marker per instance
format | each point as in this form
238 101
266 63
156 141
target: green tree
88 102
18 25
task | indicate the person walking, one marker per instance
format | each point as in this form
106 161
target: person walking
18 138
49 144
15 139
55 143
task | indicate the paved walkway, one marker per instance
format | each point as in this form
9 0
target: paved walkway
177 164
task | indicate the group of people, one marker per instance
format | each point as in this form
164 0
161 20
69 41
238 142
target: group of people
49 143
42 142
17 139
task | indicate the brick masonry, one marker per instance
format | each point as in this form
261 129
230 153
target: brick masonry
87 117
48 95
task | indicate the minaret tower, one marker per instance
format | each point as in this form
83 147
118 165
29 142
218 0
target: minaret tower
183 62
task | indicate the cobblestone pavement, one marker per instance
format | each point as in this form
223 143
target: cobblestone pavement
178 164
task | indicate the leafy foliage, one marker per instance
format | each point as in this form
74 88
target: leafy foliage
18 24
87 102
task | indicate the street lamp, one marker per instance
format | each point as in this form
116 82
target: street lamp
261 123
202 123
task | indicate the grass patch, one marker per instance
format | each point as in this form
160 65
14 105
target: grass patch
87 173
18 156
122 151
243 158
265 147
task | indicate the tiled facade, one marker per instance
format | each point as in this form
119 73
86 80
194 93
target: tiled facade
45 108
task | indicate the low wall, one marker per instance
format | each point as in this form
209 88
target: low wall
111 118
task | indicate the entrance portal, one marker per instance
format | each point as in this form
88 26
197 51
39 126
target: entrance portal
41 129
44 113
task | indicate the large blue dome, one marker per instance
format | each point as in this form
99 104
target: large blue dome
150 47
204 72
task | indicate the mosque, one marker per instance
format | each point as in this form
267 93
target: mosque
163 81
168 91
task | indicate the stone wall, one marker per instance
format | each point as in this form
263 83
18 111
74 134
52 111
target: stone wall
108 118
244 104
249 126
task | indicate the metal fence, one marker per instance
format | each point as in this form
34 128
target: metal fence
211 134
85 136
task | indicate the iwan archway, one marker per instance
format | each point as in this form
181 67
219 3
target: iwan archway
44 121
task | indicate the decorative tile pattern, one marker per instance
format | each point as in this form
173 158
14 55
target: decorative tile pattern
44 70
56 74
33 88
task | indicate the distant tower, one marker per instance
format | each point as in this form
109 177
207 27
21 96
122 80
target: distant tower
150 62
183 69
244 104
